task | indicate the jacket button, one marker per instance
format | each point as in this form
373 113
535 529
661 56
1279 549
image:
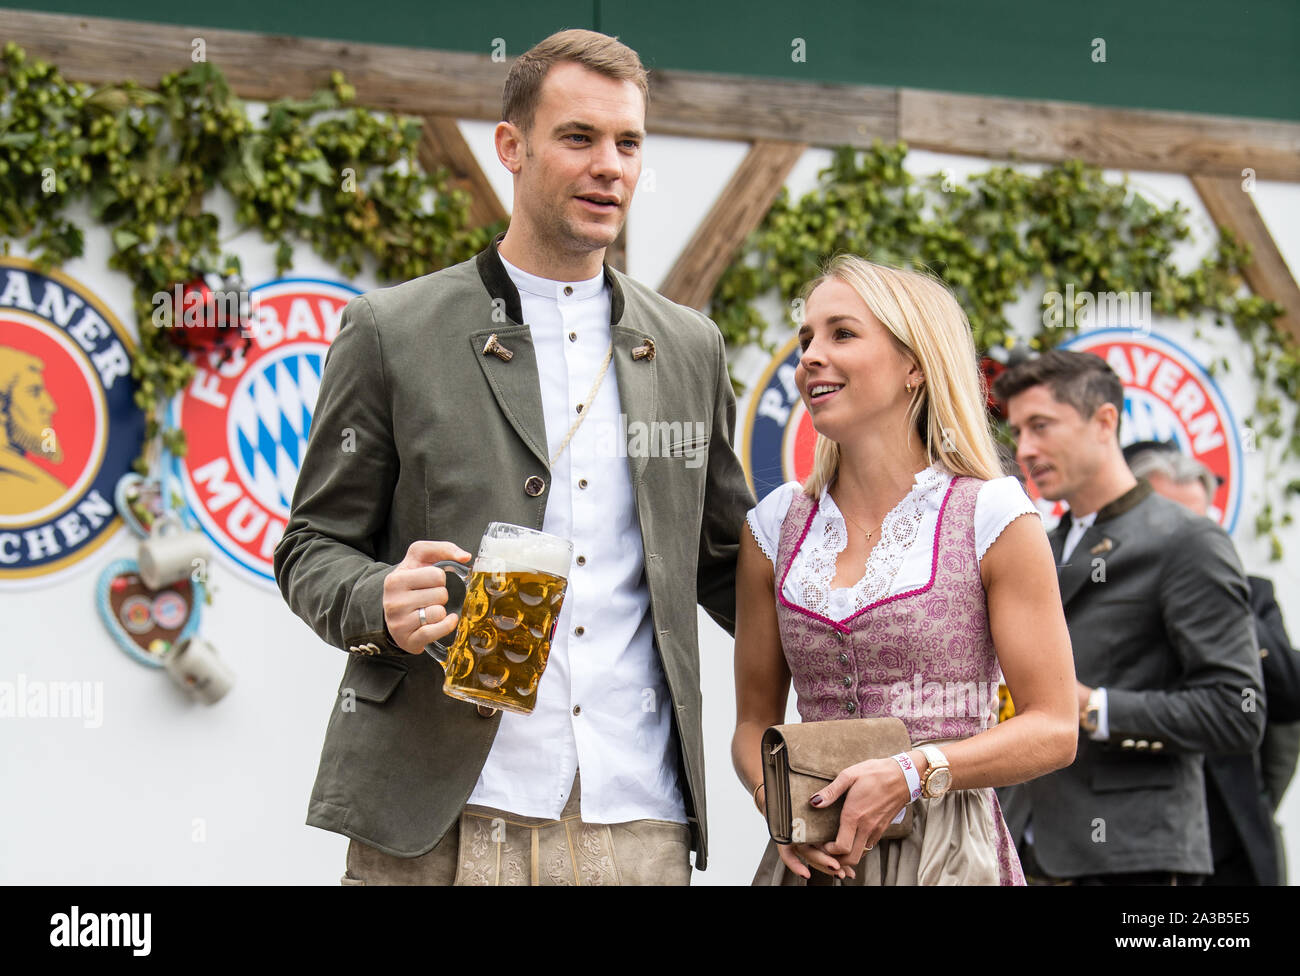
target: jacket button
534 486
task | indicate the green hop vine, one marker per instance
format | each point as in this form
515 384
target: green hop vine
999 235
320 170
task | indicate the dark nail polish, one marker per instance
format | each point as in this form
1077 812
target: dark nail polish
816 800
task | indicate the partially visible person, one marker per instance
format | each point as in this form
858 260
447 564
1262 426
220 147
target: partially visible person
905 562
1245 839
1160 622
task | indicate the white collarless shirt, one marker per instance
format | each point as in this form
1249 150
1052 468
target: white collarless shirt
603 703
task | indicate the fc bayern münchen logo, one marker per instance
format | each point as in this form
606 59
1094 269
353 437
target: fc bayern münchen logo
1169 396
779 434
247 421
69 426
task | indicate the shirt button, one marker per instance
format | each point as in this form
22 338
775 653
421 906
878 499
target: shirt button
579 631
573 337
850 707
582 482
581 560
577 709
580 408
568 289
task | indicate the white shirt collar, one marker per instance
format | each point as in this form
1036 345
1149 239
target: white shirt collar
552 289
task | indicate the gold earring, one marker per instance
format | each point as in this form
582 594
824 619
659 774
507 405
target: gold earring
908 388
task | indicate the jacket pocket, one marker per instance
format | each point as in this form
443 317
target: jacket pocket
373 680
687 446
1147 774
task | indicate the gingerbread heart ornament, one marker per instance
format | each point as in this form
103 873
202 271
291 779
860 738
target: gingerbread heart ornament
147 623
139 502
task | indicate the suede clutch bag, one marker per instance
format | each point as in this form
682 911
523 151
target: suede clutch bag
799 759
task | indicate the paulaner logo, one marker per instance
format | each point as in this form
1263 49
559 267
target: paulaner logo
69 425
75 930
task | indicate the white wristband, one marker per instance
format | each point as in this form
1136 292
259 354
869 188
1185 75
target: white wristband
910 774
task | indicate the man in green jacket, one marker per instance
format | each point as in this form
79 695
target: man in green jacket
533 385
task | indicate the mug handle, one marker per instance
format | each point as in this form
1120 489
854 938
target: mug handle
462 571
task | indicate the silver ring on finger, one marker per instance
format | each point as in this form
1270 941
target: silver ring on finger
424 621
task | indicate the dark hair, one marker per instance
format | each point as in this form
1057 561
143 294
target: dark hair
597 52
1079 379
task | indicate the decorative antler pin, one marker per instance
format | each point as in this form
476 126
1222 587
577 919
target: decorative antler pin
1105 545
493 347
646 351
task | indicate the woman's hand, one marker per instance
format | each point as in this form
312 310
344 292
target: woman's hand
874 792
799 858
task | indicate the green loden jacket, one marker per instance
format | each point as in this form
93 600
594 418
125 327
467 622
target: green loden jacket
418 434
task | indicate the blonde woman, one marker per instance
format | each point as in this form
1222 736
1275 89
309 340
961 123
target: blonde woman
901 579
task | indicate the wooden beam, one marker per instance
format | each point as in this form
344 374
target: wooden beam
442 144
1234 209
712 106
741 206
418 81
1176 142
264 67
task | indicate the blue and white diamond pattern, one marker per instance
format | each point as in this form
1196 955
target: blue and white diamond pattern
270 422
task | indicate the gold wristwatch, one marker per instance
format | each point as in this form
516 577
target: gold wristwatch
938 777
1089 717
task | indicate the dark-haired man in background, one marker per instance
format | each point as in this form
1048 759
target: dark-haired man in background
1164 649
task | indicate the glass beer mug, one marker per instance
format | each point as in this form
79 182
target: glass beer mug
513 593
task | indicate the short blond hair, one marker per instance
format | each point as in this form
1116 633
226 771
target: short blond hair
597 52
948 411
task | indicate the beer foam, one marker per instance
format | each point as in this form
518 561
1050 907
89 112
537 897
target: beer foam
501 555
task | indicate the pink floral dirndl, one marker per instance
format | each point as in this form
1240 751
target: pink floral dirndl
926 656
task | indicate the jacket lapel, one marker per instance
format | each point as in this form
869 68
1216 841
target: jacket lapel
637 381
1072 575
515 384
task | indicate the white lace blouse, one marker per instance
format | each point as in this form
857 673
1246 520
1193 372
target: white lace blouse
902 558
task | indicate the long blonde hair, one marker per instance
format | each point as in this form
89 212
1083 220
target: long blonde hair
948 409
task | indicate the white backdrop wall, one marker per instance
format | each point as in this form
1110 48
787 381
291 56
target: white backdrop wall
163 790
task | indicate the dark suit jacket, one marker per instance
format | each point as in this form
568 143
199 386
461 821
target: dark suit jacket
419 435
1159 615
1240 803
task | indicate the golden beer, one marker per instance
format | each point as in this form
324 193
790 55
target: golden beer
504 638
513 596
